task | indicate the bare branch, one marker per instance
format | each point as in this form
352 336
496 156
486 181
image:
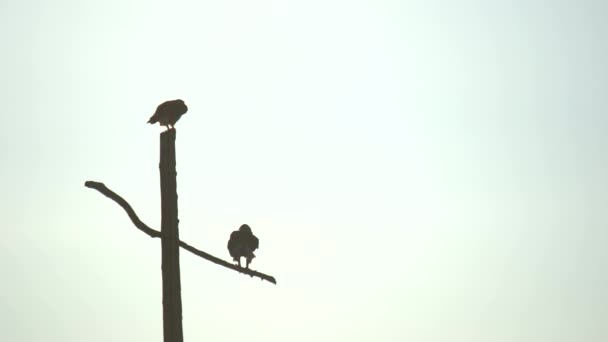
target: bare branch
156 234
226 263
126 206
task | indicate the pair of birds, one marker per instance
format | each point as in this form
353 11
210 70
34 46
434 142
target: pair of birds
242 242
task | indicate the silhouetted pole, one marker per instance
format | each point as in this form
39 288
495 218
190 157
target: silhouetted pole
170 243
172 301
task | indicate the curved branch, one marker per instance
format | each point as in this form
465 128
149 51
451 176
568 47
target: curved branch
156 234
125 205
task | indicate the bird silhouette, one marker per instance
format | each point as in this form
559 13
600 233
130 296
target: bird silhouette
168 112
242 243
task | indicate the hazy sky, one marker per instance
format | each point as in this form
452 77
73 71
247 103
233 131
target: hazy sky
425 171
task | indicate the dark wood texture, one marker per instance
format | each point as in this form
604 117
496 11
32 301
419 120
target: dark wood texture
172 298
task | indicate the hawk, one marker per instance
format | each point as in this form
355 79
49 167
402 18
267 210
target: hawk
168 112
242 243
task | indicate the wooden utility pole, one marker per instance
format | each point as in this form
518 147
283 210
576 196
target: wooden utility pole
170 242
172 301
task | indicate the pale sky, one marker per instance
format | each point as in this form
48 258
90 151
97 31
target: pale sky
425 171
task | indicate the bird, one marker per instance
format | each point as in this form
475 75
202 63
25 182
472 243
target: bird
242 243
168 112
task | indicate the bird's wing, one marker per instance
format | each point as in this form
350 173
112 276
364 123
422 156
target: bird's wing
254 242
234 242
153 119
160 111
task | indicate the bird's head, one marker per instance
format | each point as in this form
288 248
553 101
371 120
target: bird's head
245 228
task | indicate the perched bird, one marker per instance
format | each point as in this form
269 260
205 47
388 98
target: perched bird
167 113
242 243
